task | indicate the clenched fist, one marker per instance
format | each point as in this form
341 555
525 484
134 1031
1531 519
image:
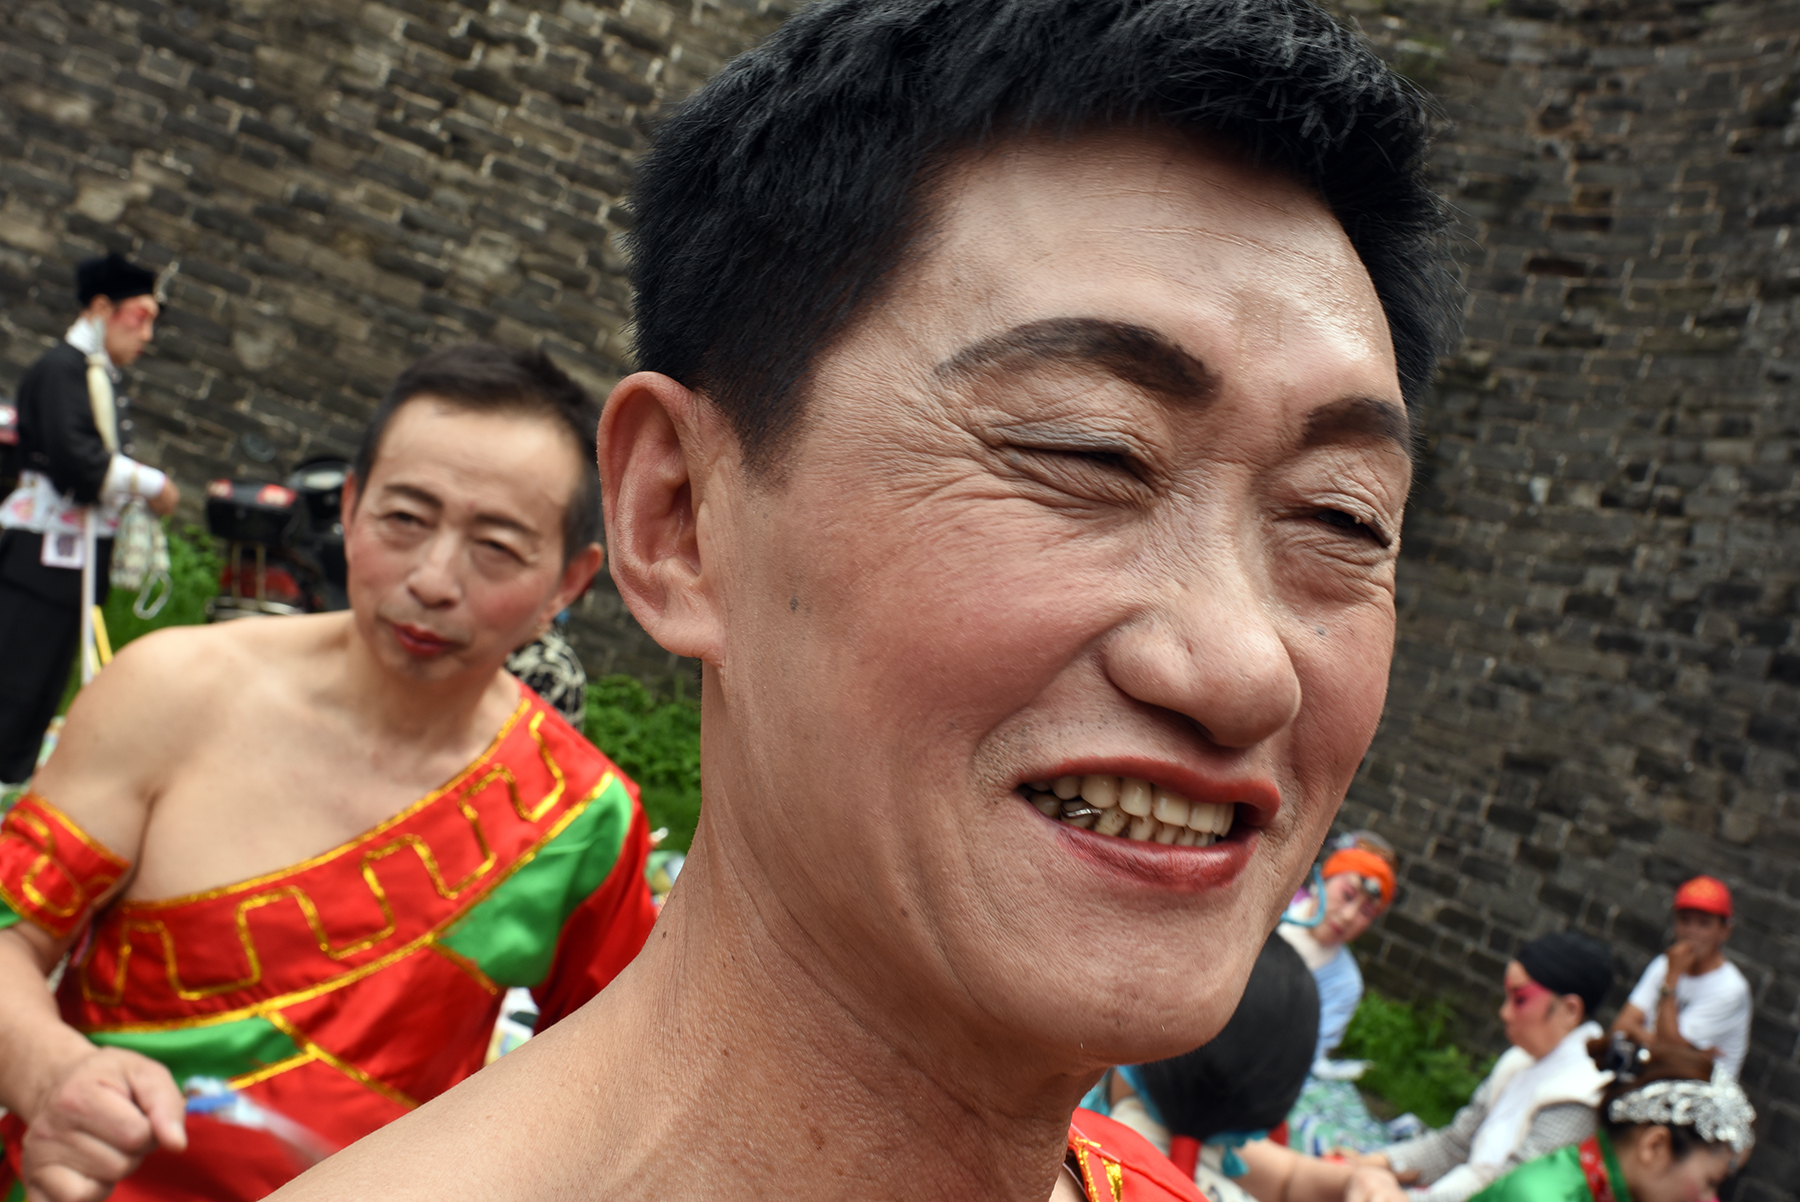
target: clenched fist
95 1125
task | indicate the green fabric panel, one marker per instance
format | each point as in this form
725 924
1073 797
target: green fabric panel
1556 1177
221 1050
512 932
16 1193
8 916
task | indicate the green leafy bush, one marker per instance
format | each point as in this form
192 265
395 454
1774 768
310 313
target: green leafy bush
656 742
1416 1066
193 569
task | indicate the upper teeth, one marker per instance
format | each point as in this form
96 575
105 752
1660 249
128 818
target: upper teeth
1137 809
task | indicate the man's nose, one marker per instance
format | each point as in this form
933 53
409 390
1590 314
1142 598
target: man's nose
434 580
1211 650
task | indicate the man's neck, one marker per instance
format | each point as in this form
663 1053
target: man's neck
807 1093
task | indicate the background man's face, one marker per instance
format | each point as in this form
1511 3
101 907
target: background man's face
1707 932
455 541
1112 484
130 325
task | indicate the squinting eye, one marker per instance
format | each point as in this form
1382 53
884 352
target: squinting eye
1351 524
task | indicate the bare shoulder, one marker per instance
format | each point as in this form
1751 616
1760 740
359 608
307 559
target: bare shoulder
144 712
190 668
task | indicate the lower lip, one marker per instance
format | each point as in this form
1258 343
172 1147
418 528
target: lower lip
420 645
1140 862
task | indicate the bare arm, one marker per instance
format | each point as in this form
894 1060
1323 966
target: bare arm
1631 1022
1278 1174
36 1046
1662 1023
92 1114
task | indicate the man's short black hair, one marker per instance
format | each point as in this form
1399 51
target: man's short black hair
489 378
776 202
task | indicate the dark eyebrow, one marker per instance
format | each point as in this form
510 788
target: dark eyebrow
414 493
487 519
1359 418
1138 356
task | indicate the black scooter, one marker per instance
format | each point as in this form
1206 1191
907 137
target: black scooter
284 543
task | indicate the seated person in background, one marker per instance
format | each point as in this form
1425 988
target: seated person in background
1211 1110
1541 1093
1359 883
304 857
1691 993
1673 1127
1015 412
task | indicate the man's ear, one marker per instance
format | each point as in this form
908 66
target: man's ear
577 574
656 447
347 499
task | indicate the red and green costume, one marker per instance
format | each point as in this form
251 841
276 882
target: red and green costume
1583 1172
1116 1164
347 989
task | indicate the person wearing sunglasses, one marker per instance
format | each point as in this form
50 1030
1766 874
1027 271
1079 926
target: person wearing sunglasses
1541 1093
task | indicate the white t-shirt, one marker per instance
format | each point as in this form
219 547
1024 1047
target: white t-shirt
1712 1010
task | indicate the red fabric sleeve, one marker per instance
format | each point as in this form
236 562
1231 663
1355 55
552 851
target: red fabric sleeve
604 934
1119 1165
51 871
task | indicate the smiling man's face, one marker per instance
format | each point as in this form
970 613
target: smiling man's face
1107 494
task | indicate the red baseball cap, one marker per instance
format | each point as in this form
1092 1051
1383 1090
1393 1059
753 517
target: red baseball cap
1706 894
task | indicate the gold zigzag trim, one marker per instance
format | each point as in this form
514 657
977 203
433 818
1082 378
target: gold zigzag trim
269 1008
467 965
37 906
129 923
246 1080
343 1066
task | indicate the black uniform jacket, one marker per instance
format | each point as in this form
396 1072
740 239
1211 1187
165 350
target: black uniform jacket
58 438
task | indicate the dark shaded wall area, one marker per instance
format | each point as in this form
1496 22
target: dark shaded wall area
1597 686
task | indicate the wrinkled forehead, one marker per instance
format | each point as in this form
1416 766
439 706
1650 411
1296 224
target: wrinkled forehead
1150 226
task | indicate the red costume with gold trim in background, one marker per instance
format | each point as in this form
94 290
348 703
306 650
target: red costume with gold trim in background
1116 1164
341 992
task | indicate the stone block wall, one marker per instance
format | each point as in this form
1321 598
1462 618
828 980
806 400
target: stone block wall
343 184
1596 692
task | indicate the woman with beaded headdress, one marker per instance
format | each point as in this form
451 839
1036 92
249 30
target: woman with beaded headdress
1672 1128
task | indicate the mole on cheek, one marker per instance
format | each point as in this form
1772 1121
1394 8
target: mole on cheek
793 604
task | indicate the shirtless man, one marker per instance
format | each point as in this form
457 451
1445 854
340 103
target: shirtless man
355 967
1030 493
